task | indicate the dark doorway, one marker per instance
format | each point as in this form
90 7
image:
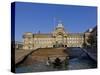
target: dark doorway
65 45
54 46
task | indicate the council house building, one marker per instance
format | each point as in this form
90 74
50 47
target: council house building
58 38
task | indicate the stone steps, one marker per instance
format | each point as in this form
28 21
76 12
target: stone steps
43 54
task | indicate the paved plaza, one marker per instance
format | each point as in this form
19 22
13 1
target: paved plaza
79 59
20 54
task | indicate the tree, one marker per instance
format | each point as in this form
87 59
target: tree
84 45
91 40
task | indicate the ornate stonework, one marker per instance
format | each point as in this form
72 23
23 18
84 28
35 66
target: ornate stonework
58 38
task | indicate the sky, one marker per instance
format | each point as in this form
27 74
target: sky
35 17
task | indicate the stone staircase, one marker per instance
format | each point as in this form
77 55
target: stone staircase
42 54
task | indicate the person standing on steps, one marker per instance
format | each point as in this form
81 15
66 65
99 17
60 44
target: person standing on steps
48 62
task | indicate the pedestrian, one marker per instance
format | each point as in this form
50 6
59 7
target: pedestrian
48 62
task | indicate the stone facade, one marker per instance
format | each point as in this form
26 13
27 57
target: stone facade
91 37
58 38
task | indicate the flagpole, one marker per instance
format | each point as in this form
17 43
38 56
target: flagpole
54 23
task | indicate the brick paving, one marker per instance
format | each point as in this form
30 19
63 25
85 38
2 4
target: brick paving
40 54
44 53
20 54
